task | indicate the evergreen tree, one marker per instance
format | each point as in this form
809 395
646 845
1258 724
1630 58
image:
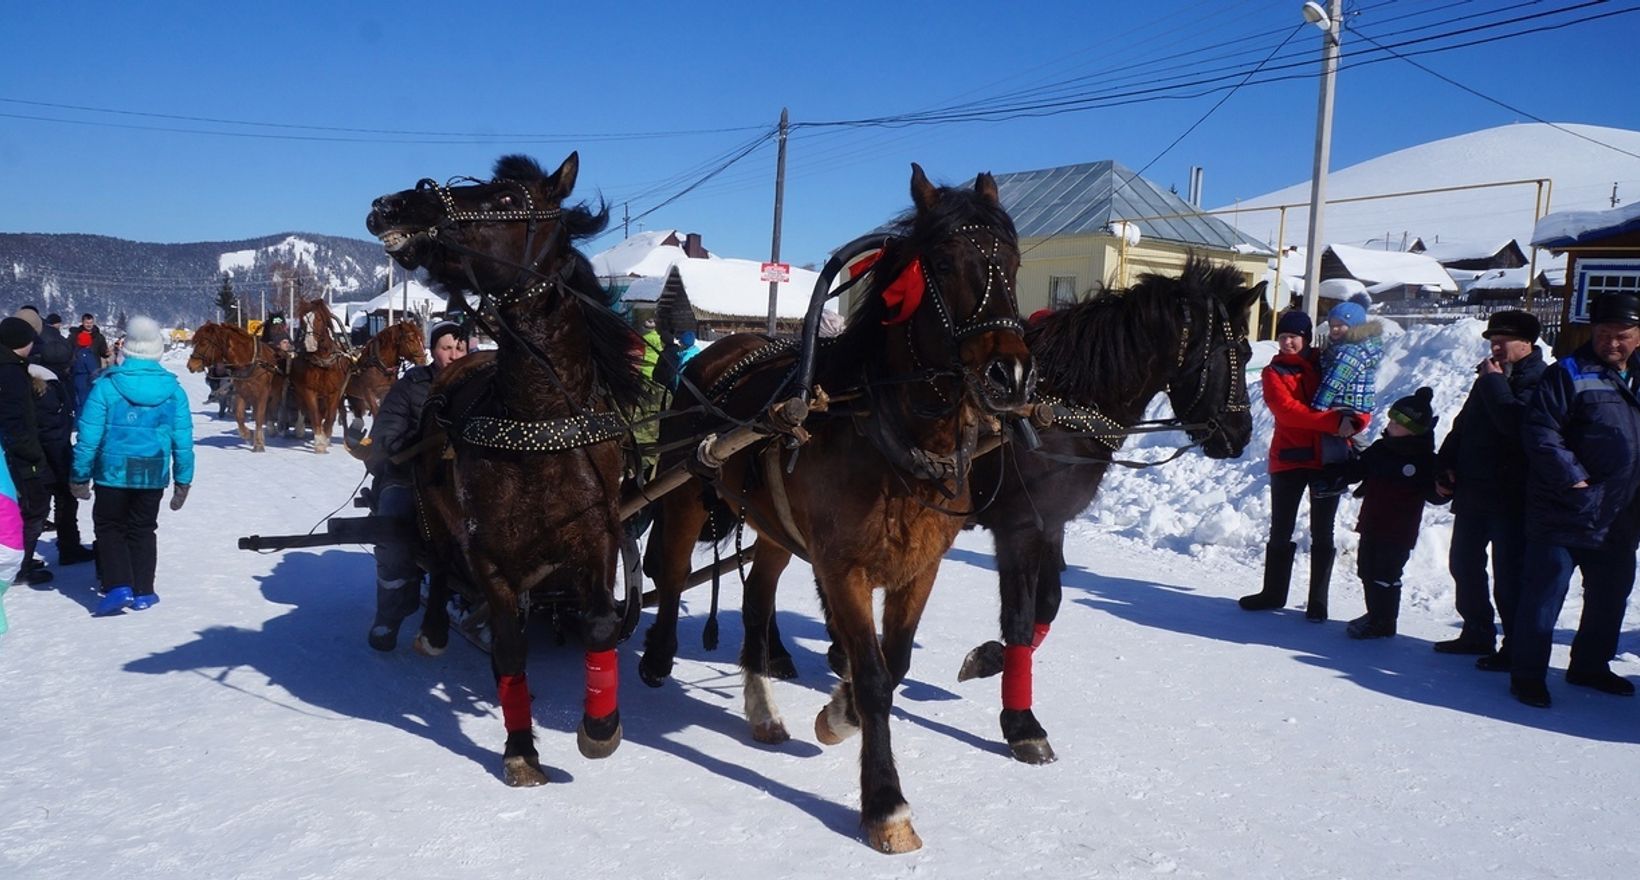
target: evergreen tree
227 302
119 321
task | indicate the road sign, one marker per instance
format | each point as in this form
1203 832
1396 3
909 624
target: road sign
777 272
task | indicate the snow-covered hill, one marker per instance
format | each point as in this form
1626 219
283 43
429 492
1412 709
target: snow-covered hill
242 729
1582 172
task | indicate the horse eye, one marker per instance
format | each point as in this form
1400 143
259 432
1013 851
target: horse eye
506 200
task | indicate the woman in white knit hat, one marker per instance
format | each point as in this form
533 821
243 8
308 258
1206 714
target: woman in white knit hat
134 426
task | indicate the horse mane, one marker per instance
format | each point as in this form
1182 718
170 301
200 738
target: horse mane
910 236
1111 341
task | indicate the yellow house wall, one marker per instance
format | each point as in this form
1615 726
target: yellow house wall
1096 261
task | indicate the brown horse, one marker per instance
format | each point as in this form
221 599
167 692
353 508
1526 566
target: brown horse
253 367
517 504
319 372
378 366
932 353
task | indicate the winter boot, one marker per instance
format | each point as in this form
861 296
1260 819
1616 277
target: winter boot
144 601
1383 608
116 601
1278 576
1321 565
394 602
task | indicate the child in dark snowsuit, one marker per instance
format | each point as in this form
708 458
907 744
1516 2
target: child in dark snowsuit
1397 476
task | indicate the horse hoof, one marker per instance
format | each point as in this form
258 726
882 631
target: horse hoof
596 748
522 771
425 648
1032 751
982 662
773 733
830 730
894 835
651 677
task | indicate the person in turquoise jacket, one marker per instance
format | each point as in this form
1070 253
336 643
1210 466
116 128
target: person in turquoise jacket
134 426
11 537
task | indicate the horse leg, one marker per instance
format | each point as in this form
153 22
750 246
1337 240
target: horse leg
671 546
757 615
599 733
780 664
884 814
259 413
239 417
1026 561
520 763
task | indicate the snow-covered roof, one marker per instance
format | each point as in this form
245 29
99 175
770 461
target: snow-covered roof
1373 268
728 287
1566 228
1454 251
420 298
1515 279
644 255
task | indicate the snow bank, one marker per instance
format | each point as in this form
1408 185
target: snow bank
1221 509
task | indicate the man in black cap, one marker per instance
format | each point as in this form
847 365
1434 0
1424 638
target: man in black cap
20 434
54 352
1582 438
1482 464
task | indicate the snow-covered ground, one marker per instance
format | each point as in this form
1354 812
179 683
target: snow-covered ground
242 728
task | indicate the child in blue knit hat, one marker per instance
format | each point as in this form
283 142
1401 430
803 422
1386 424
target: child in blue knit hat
1349 377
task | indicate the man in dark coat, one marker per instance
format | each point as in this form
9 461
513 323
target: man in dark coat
53 351
90 354
1582 439
56 419
20 433
1482 462
397 427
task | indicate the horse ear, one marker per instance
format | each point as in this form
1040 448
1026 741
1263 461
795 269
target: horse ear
923 193
562 182
986 186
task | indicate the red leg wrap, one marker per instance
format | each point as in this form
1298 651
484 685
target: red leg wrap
1038 634
1016 677
603 683
515 702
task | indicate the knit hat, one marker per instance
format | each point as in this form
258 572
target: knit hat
1513 322
143 339
29 314
1350 314
54 320
1295 321
1415 413
15 333
441 330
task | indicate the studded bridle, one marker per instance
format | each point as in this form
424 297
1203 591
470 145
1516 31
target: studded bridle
1225 341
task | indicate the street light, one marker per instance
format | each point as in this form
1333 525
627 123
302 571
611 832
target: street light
1328 21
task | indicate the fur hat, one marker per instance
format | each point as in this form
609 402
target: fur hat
1513 322
143 339
32 316
1350 314
1295 321
1415 412
16 333
1615 308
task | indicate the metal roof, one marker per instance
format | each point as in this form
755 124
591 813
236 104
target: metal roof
1086 198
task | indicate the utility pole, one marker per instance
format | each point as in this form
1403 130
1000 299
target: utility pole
1331 22
779 203
1615 200
626 219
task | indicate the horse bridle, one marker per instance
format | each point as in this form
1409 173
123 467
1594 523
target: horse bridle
1229 343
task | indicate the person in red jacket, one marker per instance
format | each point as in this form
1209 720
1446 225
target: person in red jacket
1290 383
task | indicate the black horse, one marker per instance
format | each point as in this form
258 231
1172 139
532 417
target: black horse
1101 361
523 501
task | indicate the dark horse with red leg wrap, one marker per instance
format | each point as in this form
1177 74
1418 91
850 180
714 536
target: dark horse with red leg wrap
931 359
519 483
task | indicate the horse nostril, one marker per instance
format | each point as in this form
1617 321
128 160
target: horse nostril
1001 376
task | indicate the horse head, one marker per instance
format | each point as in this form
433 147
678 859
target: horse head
946 281
1208 384
498 237
410 344
208 349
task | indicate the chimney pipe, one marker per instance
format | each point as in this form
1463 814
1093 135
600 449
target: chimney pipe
692 246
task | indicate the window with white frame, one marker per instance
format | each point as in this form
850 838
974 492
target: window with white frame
1061 291
1595 277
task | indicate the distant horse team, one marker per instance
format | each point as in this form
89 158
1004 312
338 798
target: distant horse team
934 409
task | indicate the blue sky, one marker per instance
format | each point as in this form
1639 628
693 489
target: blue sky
653 95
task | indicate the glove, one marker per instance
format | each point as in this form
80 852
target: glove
179 495
81 491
